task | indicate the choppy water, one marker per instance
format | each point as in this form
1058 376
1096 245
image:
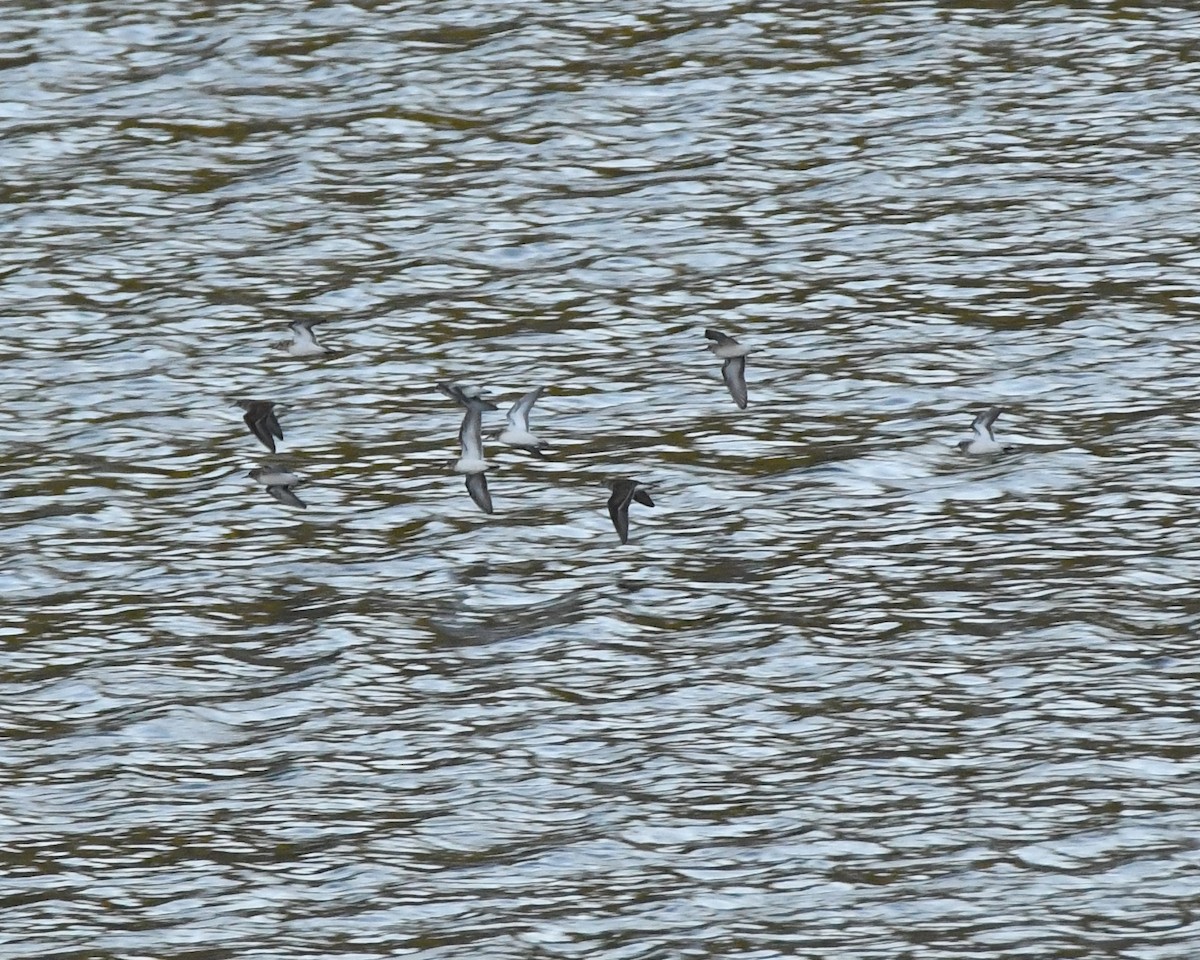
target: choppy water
844 694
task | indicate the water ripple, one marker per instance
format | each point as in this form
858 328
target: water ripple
844 691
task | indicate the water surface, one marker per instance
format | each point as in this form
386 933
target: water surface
844 694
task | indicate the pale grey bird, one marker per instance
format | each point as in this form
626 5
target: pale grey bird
260 418
470 439
624 492
984 442
517 433
733 370
304 341
472 462
279 482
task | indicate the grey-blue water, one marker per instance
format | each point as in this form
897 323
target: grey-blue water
844 694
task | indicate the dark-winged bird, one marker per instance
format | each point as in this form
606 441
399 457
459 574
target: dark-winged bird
624 492
470 441
279 482
733 370
260 418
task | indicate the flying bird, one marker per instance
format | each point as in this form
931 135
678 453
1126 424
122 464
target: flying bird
279 483
260 418
304 341
984 442
517 434
470 440
734 368
624 492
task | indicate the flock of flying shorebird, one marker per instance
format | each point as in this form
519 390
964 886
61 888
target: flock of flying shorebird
281 482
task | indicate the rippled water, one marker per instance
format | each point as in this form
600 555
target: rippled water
844 694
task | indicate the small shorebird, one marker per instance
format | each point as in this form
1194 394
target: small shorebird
984 442
260 418
624 492
470 440
517 434
734 367
304 341
279 483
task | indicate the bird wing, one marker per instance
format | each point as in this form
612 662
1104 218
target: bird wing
618 507
982 424
303 330
734 372
256 422
285 495
518 414
477 488
453 391
466 396
641 496
470 435
271 423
